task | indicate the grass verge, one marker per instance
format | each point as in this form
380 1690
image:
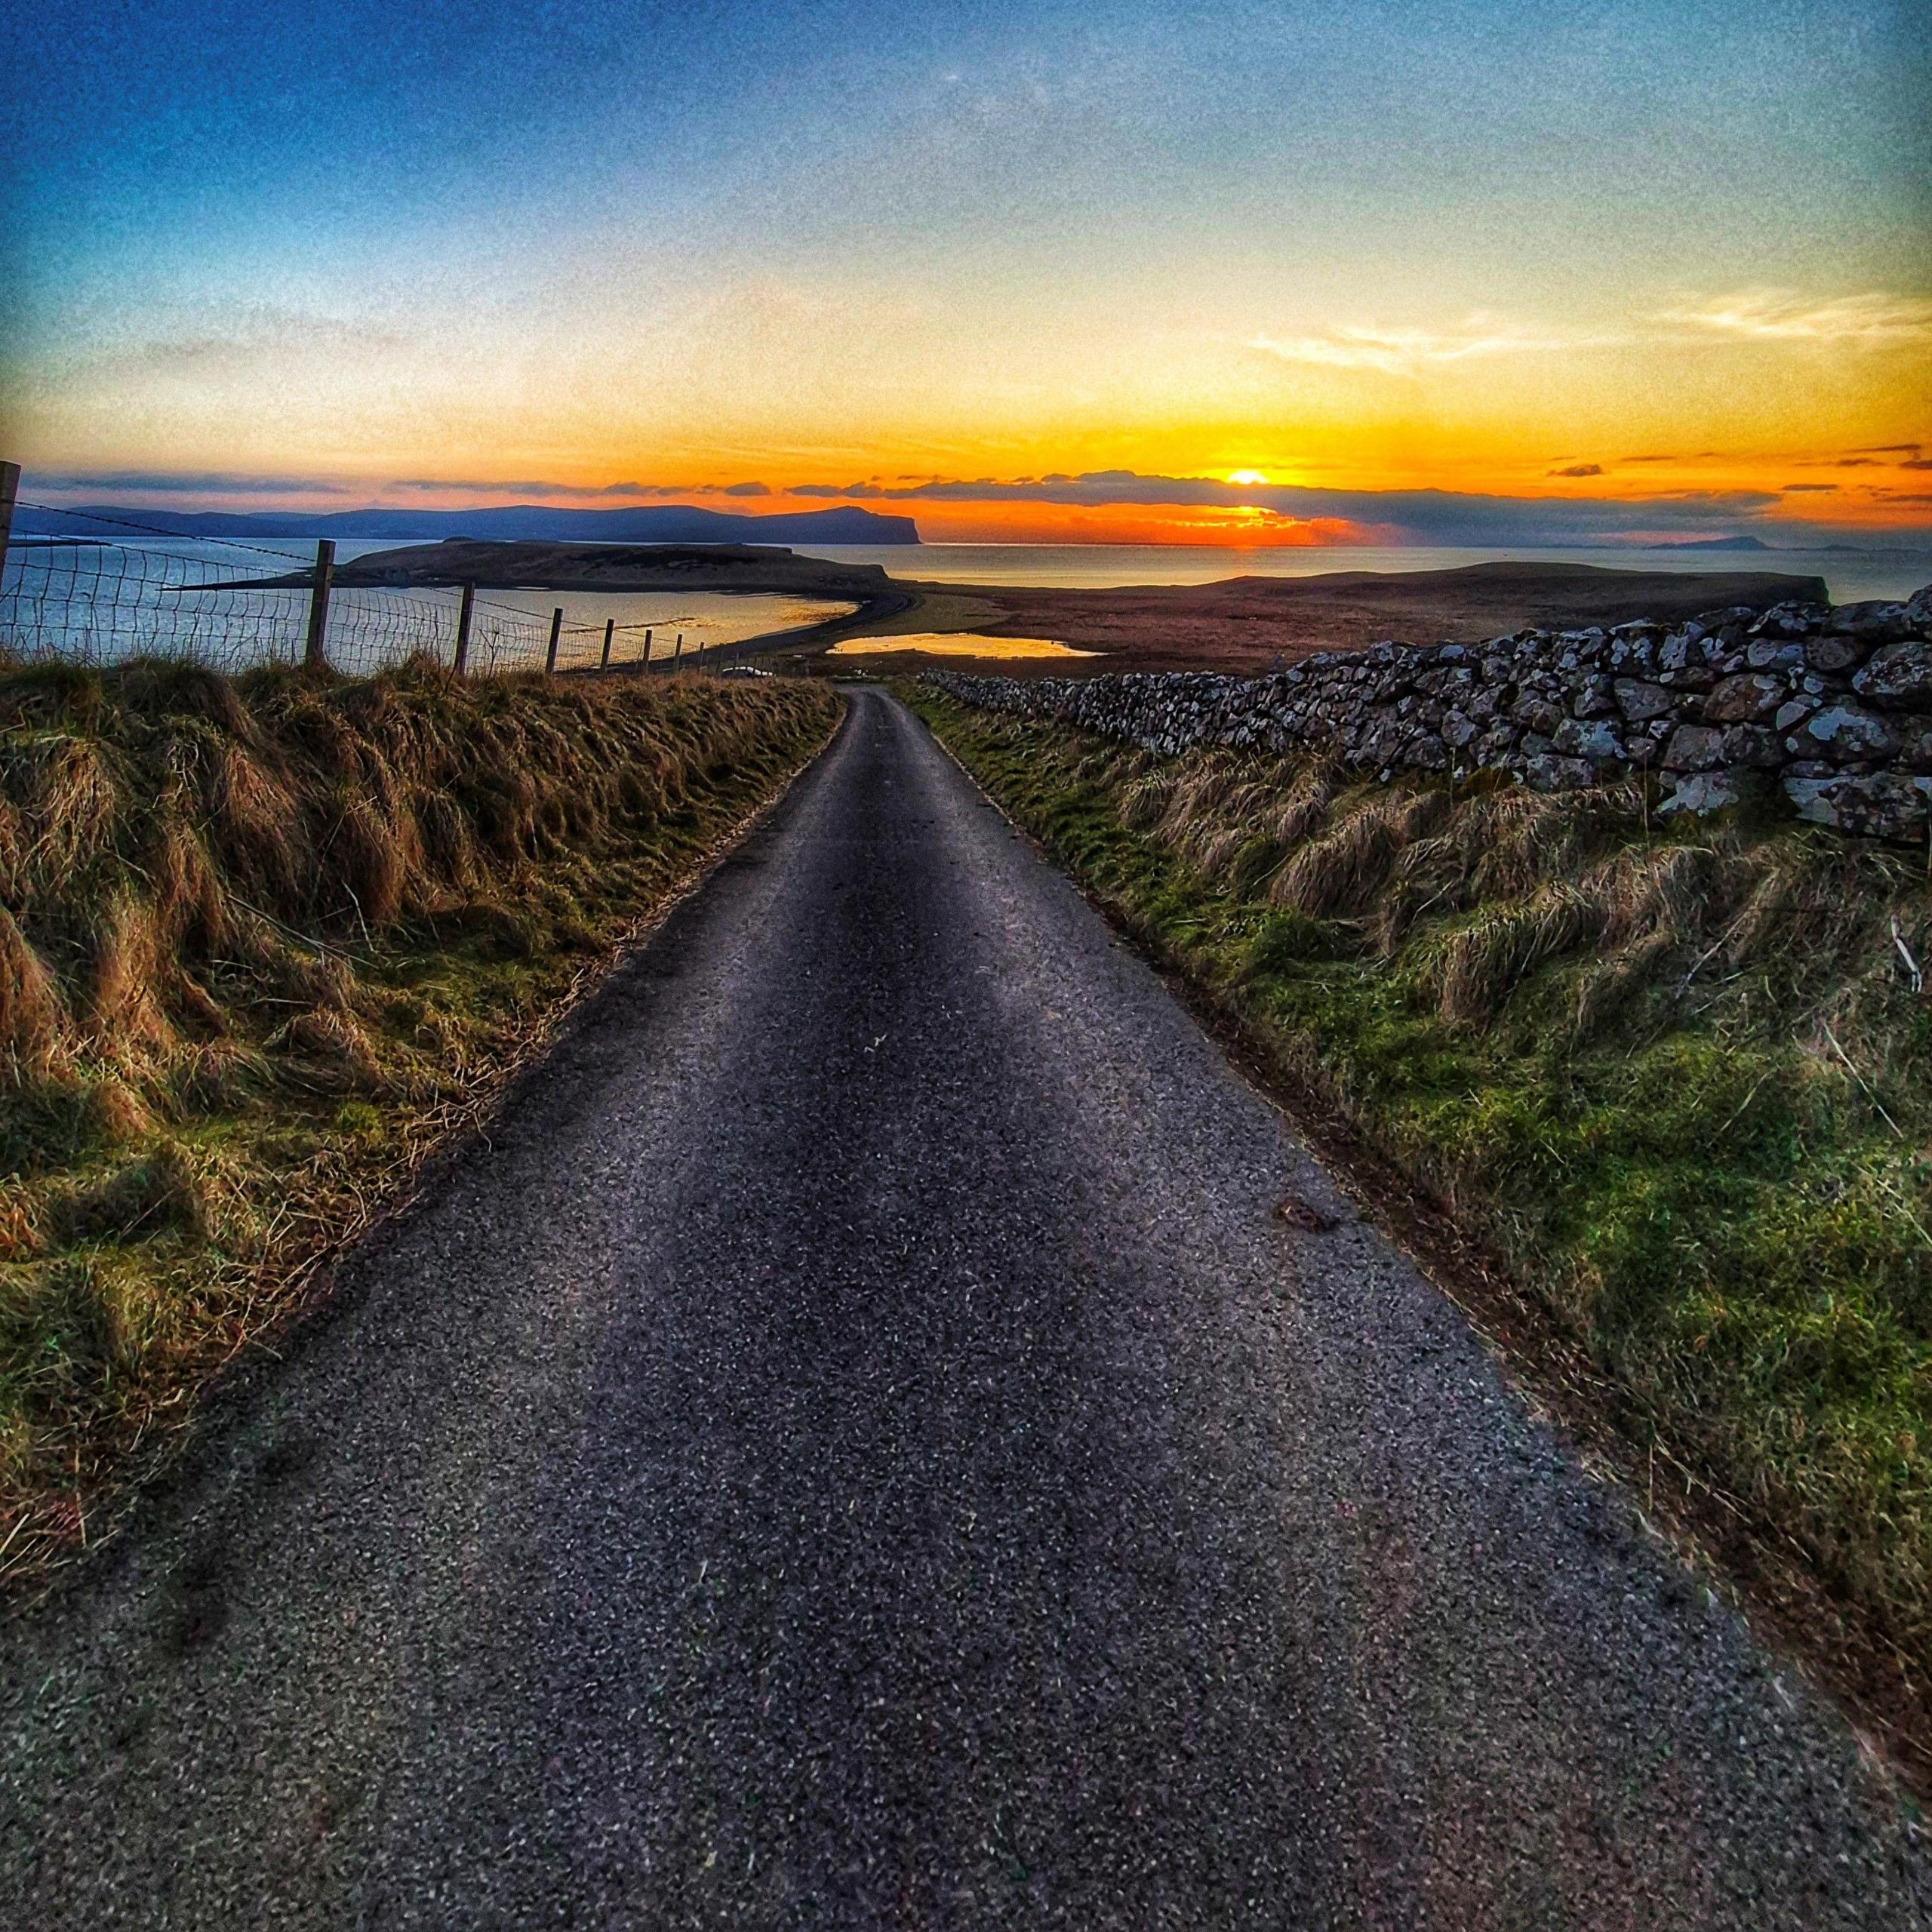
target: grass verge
264 942
1662 1092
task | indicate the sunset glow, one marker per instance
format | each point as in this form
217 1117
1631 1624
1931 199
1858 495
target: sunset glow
962 269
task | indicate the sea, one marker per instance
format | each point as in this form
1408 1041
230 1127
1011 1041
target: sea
107 601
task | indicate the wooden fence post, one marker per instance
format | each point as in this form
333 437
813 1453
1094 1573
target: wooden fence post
315 654
9 488
462 610
647 649
610 626
678 651
556 632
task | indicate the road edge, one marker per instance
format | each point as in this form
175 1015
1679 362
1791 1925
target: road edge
317 1300
1781 1605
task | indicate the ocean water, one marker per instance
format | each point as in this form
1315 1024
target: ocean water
103 603
704 620
1852 577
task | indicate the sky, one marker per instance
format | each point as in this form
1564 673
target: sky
1481 271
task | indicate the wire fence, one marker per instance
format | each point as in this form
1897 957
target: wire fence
134 592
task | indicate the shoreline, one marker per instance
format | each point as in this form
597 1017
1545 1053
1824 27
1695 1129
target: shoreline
1248 625
1244 625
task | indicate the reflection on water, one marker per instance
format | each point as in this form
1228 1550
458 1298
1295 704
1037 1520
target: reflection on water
957 643
705 619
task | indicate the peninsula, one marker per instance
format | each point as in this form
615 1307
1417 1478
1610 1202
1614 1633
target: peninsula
1240 625
747 569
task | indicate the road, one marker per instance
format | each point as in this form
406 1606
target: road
857 1447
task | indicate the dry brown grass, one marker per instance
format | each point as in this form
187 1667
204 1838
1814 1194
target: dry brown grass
261 942
1508 880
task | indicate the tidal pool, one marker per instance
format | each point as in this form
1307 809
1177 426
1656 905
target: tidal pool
957 644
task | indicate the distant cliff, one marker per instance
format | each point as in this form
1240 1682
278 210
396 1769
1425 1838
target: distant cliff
669 523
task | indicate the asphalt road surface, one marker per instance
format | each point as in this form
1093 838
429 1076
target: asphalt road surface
857 1447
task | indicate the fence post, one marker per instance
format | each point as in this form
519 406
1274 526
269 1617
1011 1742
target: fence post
9 488
610 627
556 632
678 651
462 609
313 656
647 649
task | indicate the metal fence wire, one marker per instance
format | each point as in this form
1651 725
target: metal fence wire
136 592
97 603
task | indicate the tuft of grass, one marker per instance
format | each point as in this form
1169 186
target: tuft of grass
262 941
1675 1080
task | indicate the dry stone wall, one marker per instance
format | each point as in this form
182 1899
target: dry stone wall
1832 703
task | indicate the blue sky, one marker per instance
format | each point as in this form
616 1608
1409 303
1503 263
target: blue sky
1372 246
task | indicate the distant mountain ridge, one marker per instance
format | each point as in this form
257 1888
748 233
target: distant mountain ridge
1712 543
669 523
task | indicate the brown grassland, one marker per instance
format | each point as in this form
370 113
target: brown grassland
1244 625
264 943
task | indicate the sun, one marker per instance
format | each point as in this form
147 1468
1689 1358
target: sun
1247 476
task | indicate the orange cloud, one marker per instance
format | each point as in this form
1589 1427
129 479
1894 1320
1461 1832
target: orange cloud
1130 523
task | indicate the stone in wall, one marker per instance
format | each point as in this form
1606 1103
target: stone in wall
1834 702
1879 804
1898 678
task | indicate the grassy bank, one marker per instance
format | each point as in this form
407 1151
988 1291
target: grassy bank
263 943
1675 1079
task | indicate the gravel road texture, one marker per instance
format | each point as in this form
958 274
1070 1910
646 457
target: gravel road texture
859 1444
